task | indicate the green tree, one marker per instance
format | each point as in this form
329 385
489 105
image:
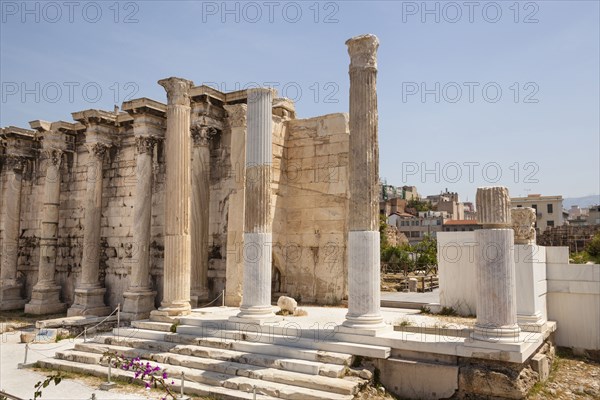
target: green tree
419 205
593 246
426 253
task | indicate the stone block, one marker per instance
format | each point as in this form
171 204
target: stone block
414 380
541 364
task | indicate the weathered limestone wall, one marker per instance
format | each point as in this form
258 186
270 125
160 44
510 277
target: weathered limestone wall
311 254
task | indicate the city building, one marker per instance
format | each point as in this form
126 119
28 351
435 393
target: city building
417 227
549 209
460 225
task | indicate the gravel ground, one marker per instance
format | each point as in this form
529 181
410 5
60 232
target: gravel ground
572 377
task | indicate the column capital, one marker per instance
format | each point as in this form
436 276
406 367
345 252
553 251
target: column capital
523 222
53 155
15 162
202 134
97 149
236 114
178 90
363 51
145 144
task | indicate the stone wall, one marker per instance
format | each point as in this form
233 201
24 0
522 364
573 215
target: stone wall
311 255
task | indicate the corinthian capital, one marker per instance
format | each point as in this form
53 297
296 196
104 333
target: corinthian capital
145 144
97 149
236 114
201 134
523 222
53 156
14 162
363 51
178 90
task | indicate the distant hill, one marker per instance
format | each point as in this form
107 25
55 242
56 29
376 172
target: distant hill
582 202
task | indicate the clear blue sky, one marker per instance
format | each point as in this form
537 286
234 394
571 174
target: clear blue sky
542 134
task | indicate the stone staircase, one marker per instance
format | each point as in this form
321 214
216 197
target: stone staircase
230 363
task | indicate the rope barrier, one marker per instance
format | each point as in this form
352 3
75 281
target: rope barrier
221 295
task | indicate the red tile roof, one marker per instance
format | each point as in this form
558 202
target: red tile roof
461 222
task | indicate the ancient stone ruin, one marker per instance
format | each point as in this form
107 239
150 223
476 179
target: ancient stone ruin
147 206
161 208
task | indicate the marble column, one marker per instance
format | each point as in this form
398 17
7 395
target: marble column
139 298
89 294
45 296
201 136
177 264
10 289
495 266
364 294
256 300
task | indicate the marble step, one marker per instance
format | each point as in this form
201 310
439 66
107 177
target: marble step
164 340
275 383
324 383
191 334
253 356
191 388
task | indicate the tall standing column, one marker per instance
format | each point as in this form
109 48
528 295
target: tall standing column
236 117
496 285
201 136
139 298
256 300
176 293
89 294
45 296
10 290
363 236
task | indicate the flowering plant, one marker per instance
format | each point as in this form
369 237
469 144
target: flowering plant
152 376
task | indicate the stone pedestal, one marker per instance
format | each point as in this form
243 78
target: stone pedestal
139 298
530 269
177 265
496 281
10 289
364 316
201 136
89 294
45 295
256 303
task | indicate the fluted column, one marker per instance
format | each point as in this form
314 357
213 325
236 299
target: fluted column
45 296
10 290
363 236
176 279
139 298
89 294
496 284
256 300
201 136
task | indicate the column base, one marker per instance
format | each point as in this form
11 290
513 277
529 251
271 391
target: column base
255 315
494 334
199 297
89 301
137 305
532 323
10 298
364 325
169 312
45 300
